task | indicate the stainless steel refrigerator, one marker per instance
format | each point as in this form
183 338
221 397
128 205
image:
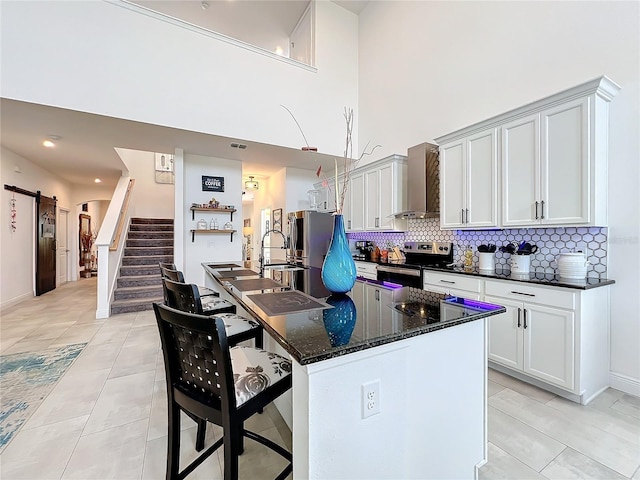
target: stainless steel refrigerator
309 237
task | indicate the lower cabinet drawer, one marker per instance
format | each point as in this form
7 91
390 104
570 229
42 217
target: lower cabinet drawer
522 292
451 282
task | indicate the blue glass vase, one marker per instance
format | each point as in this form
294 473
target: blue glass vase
338 268
340 320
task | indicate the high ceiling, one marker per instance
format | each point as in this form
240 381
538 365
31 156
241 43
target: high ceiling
86 151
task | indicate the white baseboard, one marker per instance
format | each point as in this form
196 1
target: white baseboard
102 313
624 383
15 301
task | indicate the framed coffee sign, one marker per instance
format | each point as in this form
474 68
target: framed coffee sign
212 184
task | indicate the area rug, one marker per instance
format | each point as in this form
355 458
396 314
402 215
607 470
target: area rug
25 380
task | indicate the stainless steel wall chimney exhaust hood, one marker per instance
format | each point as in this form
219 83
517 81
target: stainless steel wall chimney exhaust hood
423 182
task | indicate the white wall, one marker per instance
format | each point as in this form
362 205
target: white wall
210 247
102 58
429 68
17 262
158 198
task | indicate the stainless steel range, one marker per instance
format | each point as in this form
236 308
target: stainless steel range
429 254
418 255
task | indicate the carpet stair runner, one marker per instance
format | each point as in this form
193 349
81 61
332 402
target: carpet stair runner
139 286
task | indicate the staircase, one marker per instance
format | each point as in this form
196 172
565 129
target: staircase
149 241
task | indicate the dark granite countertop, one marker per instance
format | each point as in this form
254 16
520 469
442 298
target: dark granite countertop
312 335
540 278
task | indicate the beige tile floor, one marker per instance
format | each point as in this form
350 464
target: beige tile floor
106 417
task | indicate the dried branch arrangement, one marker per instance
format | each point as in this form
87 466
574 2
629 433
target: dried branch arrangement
348 162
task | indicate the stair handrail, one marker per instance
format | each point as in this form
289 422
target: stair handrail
113 229
122 217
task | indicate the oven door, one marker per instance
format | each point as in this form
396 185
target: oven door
408 277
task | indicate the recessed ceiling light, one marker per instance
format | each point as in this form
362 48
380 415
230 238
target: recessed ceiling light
279 51
97 180
50 142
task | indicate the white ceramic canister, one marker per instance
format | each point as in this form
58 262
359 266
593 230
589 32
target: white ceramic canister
520 264
572 265
486 261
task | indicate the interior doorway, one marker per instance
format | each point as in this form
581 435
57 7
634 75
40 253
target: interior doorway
62 247
45 244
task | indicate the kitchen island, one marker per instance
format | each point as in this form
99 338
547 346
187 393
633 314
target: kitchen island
377 392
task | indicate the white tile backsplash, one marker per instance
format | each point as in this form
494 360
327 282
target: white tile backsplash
550 242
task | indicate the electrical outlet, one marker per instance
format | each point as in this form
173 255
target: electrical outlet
370 398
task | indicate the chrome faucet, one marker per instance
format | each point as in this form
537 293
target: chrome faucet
285 245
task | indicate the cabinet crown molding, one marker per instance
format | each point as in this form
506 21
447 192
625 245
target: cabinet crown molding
602 86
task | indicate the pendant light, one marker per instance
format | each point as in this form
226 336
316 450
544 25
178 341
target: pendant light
251 184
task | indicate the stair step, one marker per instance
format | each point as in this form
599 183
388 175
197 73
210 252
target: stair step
134 305
146 260
148 291
140 270
150 242
138 280
150 227
150 235
147 251
138 220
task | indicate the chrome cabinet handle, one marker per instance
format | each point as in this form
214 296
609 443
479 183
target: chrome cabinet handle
349 223
399 270
536 210
377 294
467 216
462 216
542 210
519 312
376 222
525 318
447 281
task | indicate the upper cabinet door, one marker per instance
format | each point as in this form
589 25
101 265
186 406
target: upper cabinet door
355 191
452 185
388 201
372 199
521 172
565 166
481 180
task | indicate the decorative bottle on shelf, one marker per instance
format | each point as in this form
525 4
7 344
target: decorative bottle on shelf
214 224
338 268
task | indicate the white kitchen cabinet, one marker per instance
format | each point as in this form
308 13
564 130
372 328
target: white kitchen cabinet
552 163
356 202
452 284
535 339
376 191
469 182
555 338
547 168
366 270
327 198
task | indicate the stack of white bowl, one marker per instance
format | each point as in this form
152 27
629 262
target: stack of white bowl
572 265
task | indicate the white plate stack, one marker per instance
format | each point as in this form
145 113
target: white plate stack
572 265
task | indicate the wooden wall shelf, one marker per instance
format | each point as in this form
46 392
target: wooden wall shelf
193 233
211 210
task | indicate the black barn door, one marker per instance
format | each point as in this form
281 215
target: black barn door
46 244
